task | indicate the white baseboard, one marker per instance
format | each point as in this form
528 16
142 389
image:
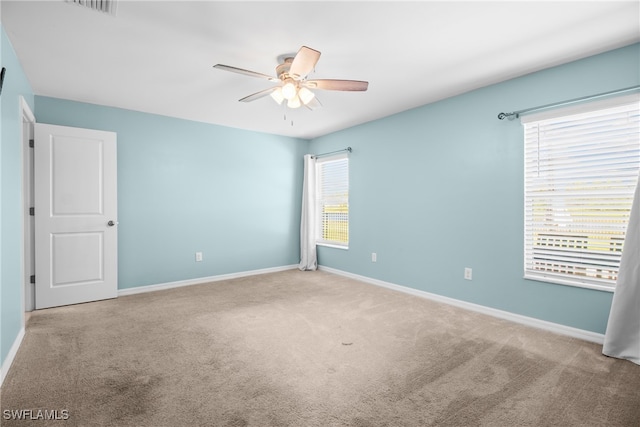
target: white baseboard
201 280
517 318
11 355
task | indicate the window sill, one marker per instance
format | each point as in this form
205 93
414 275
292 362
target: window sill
567 282
332 245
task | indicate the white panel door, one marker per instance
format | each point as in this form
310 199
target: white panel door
75 195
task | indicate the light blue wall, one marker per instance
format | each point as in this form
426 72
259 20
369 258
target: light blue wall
185 186
15 85
2 353
439 188
433 190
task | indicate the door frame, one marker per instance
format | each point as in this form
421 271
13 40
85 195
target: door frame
28 247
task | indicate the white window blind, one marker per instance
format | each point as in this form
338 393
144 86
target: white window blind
580 175
333 200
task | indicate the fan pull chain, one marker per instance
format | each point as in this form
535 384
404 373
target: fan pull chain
285 117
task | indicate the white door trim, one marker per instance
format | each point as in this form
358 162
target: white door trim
28 259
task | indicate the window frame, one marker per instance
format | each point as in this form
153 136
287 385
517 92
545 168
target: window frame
565 278
319 202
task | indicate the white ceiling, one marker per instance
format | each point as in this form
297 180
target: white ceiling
157 56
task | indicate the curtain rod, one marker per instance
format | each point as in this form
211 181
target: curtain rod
315 156
516 114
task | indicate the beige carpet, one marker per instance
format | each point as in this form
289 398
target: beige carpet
307 349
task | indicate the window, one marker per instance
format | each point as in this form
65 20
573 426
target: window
332 192
581 169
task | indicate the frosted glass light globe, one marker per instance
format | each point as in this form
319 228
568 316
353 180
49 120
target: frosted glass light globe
294 102
289 90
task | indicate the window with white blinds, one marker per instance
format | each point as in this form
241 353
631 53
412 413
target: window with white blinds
581 170
332 192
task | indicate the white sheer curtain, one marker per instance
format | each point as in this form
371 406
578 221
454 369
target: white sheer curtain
622 339
308 255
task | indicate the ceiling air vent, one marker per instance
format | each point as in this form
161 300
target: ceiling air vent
105 6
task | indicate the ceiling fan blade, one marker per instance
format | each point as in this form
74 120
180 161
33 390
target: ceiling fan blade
258 95
331 84
304 62
245 72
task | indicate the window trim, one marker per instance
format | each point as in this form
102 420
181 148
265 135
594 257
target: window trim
332 245
612 102
318 225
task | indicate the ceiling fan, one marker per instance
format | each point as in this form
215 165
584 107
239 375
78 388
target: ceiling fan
293 85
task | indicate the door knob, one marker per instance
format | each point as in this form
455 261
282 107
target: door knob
111 223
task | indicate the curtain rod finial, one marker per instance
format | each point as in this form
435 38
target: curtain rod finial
508 116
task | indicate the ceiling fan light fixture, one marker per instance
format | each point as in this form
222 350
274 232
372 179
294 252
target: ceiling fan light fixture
294 102
292 84
305 95
289 90
277 95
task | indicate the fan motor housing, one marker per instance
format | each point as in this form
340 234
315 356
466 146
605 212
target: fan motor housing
282 70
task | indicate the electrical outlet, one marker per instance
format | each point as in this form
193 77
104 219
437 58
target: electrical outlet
198 256
468 273
374 257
